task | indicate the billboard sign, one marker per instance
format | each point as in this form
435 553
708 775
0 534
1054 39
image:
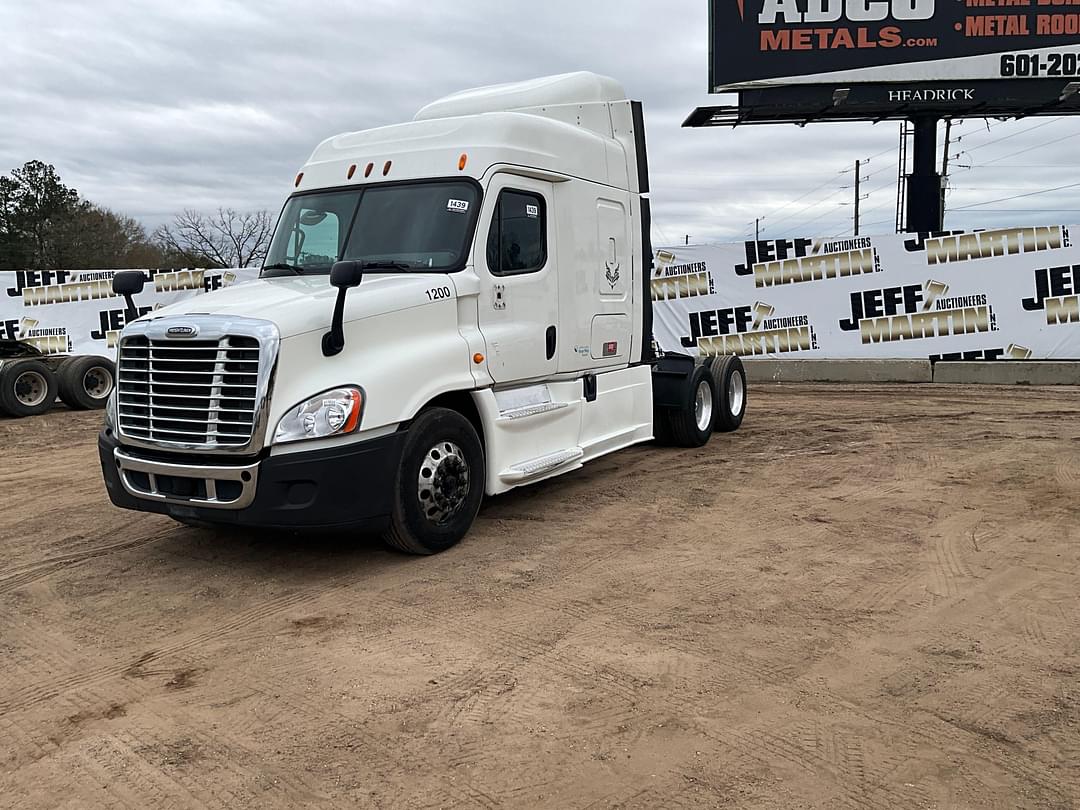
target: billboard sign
758 43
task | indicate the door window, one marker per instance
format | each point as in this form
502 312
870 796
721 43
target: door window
517 242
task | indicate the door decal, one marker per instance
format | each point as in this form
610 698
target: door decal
612 265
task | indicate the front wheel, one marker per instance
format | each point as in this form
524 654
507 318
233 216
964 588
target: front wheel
439 483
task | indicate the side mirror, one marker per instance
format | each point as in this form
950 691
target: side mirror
344 276
129 283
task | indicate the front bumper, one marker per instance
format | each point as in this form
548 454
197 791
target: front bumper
343 488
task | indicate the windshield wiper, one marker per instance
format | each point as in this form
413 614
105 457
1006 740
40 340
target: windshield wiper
296 271
385 265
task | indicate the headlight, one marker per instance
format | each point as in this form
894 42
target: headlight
333 413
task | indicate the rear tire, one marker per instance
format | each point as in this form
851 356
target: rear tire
439 483
731 390
692 423
86 382
27 388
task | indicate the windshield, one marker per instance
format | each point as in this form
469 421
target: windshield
411 226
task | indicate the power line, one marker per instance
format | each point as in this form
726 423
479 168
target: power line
1029 149
811 205
831 180
992 141
1016 197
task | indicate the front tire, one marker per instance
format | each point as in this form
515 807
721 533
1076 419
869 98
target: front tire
439 483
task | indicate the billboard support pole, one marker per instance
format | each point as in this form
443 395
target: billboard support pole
924 182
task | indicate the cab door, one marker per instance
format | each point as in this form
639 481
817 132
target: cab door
519 297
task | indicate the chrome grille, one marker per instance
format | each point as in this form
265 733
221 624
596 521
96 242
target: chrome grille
201 393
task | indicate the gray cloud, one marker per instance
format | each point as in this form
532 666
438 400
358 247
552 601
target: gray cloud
151 108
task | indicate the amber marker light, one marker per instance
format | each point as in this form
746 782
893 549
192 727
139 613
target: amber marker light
354 417
478 358
352 171
299 177
386 168
463 161
370 168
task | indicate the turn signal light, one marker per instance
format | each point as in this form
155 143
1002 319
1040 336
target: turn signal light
478 358
386 168
462 162
354 415
299 177
352 171
370 168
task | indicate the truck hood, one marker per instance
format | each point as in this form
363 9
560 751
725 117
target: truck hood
305 304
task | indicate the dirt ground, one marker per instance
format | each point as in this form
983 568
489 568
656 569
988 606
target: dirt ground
862 599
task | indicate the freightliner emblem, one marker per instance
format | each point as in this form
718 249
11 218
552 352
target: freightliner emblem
183 331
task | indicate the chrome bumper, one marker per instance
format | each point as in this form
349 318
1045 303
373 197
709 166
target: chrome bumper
209 487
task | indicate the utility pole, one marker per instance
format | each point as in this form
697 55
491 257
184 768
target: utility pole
688 239
945 169
757 229
858 178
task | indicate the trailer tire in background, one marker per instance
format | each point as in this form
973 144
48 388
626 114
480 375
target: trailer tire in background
27 388
730 378
86 382
691 424
439 483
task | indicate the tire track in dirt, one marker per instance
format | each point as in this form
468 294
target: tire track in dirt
32 694
23 575
949 736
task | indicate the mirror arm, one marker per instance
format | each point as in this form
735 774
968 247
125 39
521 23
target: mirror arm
334 340
132 312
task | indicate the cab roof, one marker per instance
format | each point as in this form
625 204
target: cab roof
567 125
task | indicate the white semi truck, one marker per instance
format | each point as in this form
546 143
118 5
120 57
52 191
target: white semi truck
450 307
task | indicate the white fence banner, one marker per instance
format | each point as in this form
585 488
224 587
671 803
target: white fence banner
76 311
962 295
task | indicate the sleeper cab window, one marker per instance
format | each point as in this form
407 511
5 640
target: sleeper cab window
517 241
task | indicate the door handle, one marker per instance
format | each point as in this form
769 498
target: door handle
551 342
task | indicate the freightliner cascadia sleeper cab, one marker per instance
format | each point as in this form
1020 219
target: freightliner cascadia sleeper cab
454 306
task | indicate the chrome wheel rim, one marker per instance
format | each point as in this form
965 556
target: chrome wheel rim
442 486
31 388
703 406
98 382
736 393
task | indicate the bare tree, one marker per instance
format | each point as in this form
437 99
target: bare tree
224 239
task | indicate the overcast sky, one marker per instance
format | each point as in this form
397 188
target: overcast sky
150 108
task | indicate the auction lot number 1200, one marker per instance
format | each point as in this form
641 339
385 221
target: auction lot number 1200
438 293
1032 64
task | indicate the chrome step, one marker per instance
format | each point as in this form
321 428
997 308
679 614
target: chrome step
531 410
540 466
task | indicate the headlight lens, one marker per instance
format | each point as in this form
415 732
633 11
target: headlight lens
332 413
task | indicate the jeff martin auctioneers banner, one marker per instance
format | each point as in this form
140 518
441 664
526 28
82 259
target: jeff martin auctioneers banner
1012 293
76 311
1009 294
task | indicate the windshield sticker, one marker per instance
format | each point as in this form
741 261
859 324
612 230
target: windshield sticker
532 211
460 206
